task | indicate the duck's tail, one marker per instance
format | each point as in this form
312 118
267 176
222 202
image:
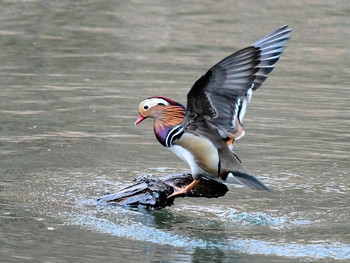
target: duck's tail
232 171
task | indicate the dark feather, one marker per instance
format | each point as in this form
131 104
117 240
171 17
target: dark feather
218 95
250 181
230 163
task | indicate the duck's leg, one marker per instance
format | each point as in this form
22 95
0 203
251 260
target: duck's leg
183 190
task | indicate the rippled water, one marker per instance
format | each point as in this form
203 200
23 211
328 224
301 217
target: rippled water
72 76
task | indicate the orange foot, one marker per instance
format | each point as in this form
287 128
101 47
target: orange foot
182 190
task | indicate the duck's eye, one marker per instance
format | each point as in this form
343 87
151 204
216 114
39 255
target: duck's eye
145 107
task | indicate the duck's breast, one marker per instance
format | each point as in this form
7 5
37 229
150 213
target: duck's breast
200 153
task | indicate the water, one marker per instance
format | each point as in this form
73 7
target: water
72 76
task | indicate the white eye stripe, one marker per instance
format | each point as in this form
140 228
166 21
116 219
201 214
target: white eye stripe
153 102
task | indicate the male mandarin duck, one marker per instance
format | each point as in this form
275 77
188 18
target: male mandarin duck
203 134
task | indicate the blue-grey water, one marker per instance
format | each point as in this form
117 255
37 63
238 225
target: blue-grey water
72 74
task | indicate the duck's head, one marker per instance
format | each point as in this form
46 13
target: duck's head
154 107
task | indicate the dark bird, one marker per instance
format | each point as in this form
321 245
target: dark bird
203 133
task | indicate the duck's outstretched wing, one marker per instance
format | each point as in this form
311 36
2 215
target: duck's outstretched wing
221 95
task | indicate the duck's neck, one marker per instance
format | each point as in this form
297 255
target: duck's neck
165 119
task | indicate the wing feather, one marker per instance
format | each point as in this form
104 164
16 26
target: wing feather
220 96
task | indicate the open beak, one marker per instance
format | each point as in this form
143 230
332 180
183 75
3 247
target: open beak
139 119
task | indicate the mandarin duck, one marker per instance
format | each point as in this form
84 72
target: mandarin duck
203 133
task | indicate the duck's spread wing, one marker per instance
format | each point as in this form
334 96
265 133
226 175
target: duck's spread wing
221 95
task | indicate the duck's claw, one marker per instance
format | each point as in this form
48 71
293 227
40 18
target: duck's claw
177 190
182 190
